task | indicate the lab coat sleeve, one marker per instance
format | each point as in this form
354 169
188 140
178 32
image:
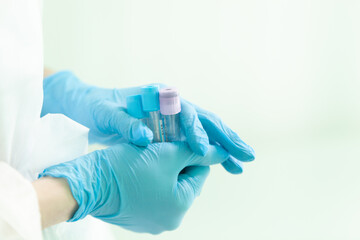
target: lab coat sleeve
19 209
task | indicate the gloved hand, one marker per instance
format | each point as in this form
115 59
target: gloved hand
202 127
103 112
141 189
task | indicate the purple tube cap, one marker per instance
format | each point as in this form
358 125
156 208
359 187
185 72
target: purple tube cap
169 101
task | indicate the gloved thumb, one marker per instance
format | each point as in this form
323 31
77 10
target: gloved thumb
191 181
116 120
132 129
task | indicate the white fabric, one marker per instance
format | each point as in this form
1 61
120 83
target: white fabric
29 143
18 198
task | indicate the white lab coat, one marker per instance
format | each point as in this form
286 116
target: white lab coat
29 143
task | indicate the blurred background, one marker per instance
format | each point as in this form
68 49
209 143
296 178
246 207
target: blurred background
285 75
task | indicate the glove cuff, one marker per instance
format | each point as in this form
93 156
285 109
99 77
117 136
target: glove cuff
79 175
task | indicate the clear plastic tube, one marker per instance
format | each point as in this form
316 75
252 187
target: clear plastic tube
155 125
171 127
162 108
150 103
170 108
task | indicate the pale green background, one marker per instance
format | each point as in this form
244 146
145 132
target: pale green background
284 74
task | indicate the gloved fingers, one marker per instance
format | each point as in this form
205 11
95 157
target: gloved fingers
227 138
132 129
113 119
195 134
191 181
215 155
233 166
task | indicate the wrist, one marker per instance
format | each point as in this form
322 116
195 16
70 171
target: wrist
88 178
60 89
56 201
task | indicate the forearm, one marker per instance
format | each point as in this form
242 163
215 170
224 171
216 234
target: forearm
65 93
56 201
48 72
62 92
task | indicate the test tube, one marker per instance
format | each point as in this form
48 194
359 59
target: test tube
170 108
134 108
150 104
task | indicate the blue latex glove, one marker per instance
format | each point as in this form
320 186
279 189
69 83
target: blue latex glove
201 124
141 189
103 112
